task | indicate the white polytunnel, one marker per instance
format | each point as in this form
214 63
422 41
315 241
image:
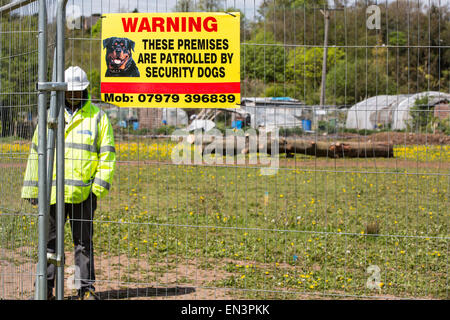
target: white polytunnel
401 114
372 112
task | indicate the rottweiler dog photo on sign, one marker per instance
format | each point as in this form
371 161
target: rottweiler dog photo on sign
119 60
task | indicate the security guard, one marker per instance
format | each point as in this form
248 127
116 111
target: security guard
89 167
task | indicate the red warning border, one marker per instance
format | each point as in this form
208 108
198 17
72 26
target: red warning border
171 88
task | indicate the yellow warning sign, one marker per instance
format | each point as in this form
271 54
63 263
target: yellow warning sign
179 60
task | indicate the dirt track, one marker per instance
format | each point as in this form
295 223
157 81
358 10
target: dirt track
185 281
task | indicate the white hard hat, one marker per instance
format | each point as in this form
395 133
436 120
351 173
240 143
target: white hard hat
76 79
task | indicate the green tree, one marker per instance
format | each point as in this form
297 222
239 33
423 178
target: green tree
304 68
96 30
18 70
184 6
306 63
263 58
351 82
209 5
287 89
397 38
308 3
199 5
421 115
94 79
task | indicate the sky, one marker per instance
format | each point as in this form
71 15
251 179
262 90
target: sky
112 6
248 7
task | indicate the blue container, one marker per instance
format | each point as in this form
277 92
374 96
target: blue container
135 125
306 125
236 124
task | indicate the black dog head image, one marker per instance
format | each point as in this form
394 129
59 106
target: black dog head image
119 59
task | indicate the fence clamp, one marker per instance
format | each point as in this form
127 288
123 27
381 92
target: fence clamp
52 258
52 122
51 86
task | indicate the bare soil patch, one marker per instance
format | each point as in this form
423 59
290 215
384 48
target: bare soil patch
122 277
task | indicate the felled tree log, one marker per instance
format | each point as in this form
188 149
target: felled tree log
332 149
290 146
219 144
362 149
340 149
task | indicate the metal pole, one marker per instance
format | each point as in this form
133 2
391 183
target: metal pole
326 15
14 5
2 122
51 139
2 111
41 274
60 203
52 123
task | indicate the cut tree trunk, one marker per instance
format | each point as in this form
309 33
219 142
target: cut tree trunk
333 149
290 146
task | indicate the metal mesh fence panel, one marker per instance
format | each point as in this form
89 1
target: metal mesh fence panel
356 205
18 112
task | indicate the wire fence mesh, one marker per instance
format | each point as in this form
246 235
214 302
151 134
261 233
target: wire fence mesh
358 207
18 110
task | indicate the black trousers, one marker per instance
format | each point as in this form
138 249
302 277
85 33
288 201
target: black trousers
81 222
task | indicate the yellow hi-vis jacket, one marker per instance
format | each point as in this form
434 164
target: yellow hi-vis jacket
90 157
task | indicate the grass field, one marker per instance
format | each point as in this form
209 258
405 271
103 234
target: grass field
307 231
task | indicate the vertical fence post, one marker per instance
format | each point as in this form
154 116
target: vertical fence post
2 121
60 59
41 274
52 121
326 16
